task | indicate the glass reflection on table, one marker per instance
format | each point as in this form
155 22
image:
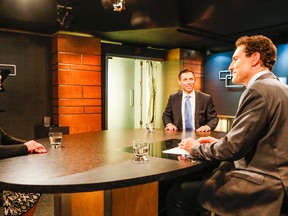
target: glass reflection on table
156 148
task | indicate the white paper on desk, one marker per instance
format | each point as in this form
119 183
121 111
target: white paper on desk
176 150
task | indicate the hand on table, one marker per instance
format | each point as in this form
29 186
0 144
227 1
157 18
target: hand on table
188 143
35 147
171 127
204 128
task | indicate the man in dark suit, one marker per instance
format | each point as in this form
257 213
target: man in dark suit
253 176
203 114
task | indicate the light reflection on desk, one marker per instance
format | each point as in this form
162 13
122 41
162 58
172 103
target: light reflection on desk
156 149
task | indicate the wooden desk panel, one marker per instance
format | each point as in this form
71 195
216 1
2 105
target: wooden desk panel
135 200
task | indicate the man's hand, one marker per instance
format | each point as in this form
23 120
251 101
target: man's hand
188 143
204 128
170 126
208 139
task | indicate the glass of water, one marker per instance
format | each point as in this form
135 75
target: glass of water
150 127
140 150
55 139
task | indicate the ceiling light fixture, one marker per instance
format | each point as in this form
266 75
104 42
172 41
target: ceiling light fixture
63 17
119 5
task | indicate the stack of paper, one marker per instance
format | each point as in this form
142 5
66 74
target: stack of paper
177 151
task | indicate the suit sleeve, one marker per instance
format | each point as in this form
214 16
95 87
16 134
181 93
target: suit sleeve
7 139
13 150
248 126
167 116
11 146
212 118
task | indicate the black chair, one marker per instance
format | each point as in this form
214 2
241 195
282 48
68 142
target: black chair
284 208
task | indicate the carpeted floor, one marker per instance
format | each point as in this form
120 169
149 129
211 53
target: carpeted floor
45 206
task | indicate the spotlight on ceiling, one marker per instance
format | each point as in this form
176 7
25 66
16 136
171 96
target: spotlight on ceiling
119 5
63 16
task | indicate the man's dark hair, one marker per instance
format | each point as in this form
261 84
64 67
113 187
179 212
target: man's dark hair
186 70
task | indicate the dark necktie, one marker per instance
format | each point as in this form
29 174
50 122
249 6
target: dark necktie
188 113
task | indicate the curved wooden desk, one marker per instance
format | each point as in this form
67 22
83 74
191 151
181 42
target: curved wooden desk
93 161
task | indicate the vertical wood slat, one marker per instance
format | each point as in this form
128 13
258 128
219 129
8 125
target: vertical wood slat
135 200
87 203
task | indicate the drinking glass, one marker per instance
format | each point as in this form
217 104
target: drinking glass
150 127
55 139
140 149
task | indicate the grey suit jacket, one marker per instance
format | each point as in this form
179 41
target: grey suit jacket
205 113
257 147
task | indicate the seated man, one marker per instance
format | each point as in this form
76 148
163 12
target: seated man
189 109
253 176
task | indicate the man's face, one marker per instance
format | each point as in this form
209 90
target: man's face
241 66
187 82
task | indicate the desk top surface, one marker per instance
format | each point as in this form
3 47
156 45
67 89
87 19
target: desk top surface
93 161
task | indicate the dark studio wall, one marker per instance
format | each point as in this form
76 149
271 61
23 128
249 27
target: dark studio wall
27 98
226 99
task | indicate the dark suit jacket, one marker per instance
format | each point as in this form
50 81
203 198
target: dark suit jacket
11 146
205 113
257 147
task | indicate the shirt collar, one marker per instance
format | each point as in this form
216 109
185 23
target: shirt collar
192 94
255 77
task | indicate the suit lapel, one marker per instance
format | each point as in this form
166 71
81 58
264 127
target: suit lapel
197 105
197 102
179 100
178 105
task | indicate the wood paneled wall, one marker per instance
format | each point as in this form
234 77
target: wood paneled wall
188 59
76 82
193 60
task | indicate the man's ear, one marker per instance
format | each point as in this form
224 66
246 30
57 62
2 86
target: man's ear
255 58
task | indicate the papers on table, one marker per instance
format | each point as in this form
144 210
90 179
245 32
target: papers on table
177 151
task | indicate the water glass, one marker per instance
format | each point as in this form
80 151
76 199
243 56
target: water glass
55 139
150 127
140 149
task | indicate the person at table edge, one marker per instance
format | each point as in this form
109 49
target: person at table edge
204 115
253 176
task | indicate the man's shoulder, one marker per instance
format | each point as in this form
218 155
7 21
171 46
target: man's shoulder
202 94
177 94
268 83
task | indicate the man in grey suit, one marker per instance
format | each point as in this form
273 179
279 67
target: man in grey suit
202 110
253 176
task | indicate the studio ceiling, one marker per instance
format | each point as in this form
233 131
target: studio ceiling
194 24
